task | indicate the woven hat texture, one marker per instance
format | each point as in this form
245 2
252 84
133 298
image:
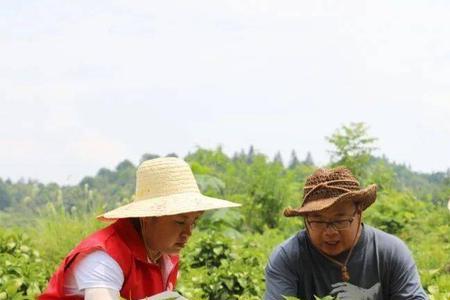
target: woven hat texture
165 186
326 187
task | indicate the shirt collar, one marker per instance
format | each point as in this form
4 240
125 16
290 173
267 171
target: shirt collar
133 239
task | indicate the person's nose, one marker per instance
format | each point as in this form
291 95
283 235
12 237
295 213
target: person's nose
330 229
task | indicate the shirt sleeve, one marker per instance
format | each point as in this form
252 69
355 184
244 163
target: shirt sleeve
101 293
98 270
405 280
281 279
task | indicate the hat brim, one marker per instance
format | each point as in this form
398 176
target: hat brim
365 197
167 205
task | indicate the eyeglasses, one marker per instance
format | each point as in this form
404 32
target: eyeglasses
336 225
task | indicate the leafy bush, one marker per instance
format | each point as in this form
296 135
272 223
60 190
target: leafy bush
223 268
393 211
23 274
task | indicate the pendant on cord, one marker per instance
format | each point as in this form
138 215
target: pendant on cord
345 275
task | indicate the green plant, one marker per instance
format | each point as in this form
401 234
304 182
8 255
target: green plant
23 274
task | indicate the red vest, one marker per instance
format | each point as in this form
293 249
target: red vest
123 243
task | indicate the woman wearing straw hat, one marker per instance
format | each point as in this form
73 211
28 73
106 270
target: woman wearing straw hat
137 256
337 254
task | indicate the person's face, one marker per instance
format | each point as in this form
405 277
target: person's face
169 234
329 240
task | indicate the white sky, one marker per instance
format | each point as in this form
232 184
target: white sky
87 84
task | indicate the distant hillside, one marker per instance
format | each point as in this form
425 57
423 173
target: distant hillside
112 187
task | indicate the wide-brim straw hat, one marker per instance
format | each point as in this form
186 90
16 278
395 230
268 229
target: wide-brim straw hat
165 186
327 187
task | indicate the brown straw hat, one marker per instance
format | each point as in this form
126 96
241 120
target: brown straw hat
165 186
326 187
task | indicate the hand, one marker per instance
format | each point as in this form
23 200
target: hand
345 290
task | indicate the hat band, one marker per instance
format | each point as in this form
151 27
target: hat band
327 185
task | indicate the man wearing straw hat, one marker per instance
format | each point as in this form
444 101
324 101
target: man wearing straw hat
337 254
137 256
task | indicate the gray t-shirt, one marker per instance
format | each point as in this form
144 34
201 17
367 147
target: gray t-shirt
381 267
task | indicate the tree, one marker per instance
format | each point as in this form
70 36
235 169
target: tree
308 159
4 197
266 188
148 156
294 160
353 147
239 156
381 173
250 154
208 161
124 165
278 158
106 174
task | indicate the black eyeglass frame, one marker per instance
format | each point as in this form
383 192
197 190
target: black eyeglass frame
332 224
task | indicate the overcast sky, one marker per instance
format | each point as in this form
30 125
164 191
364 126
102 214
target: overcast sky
87 84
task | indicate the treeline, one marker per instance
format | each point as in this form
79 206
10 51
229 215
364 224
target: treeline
262 184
